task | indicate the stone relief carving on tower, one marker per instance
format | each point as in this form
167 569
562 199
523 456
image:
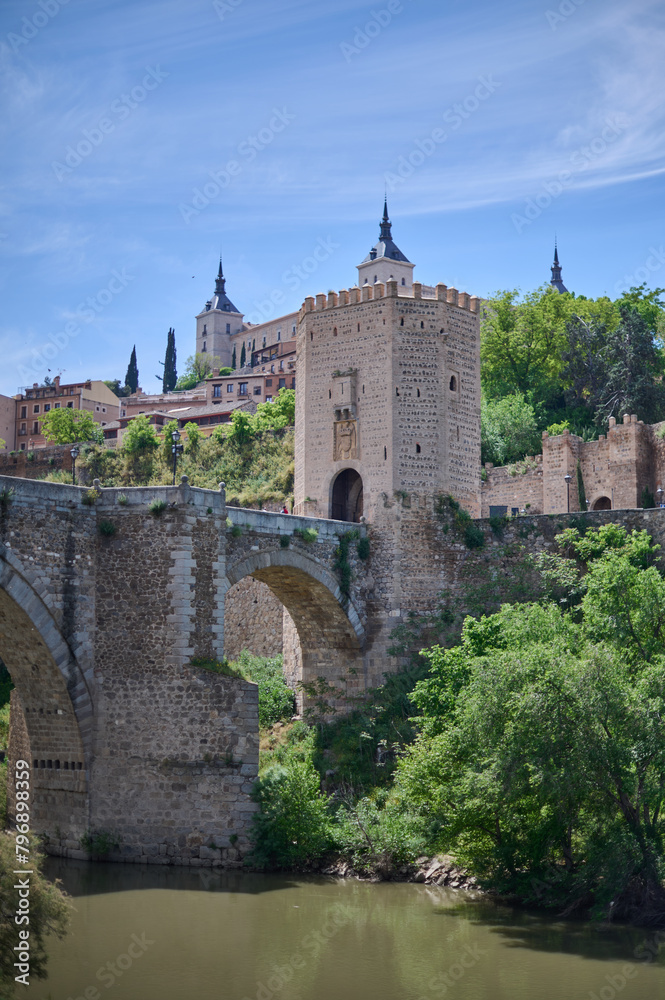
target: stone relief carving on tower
345 427
346 440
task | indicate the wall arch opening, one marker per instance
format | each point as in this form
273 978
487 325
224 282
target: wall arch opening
321 638
346 499
602 503
44 728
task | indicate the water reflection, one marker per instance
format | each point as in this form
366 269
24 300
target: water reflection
167 934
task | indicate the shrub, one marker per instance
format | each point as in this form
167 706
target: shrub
473 536
107 528
362 548
6 498
99 843
157 507
49 914
647 499
293 824
276 701
90 497
378 835
236 531
122 500
284 541
308 535
498 523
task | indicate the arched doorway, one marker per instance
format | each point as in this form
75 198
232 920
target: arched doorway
346 502
602 503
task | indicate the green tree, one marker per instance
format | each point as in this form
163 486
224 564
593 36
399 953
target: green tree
198 368
508 429
139 445
132 376
194 438
521 341
49 915
616 370
243 355
280 413
68 426
170 376
167 440
233 358
140 436
541 759
115 387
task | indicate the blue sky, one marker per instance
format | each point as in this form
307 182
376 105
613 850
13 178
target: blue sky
493 126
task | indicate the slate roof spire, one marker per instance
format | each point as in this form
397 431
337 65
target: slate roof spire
555 280
220 299
386 246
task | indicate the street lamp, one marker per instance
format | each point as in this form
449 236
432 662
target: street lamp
75 454
568 479
176 449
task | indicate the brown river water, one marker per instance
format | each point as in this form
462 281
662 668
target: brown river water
175 934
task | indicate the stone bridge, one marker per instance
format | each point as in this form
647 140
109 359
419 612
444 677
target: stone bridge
108 600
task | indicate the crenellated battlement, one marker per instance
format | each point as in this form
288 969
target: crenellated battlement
389 290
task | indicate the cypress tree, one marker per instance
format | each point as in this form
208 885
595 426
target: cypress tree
243 356
132 376
233 359
170 374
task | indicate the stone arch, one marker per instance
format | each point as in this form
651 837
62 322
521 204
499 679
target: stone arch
601 503
329 630
346 495
51 708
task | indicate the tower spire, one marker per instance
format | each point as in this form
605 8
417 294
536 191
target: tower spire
386 225
556 280
220 284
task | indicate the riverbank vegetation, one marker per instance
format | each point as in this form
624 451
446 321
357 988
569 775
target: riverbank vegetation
532 749
552 361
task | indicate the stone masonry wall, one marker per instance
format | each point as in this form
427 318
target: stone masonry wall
253 620
519 485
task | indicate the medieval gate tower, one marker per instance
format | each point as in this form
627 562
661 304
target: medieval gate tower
388 397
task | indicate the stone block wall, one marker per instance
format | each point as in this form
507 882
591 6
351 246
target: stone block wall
253 620
519 485
43 462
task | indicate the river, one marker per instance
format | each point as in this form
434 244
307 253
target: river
183 934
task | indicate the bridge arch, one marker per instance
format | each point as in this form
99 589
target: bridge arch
330 633
51 707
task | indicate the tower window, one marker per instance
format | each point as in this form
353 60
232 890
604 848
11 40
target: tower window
279 334
329 393
385 453
311 336
401 321
418 393
228 328
453 384
293 330
422 324
417 448
396 391
375 279
403 281
358 327
334 331
205 329
203 349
